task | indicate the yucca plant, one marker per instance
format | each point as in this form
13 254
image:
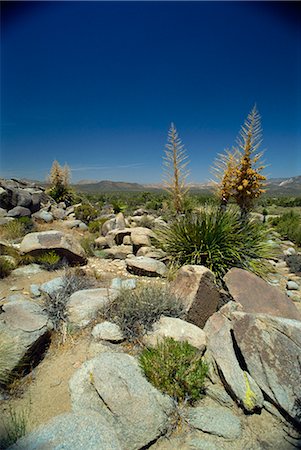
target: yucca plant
216 240
50 260
176 369
175 162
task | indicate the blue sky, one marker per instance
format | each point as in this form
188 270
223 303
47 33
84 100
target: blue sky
97 84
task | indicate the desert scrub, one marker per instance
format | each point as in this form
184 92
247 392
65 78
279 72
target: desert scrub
15 426
289 226
55 304
95 225
86 212
216 240
88 244
176 369
135 311
15 229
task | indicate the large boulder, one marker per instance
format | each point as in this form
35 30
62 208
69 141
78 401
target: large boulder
71 431
19 211
196 287
142 265
113 385
141 237
257 296
118 252
271 348
28 328
64 244
84 305
221 351
177 329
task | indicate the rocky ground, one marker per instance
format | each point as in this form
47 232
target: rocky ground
87 391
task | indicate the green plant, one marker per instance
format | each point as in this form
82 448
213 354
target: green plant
289 226
55 304
118 206
175 162
5 267
135 311
86 212
176 369
216 240
15 426
88 245
95 225
50 260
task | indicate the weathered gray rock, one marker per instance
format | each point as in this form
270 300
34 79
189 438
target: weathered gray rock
19 211
58 213
218 394
140 236
25 323
142 265
114 385
73 223
289 251
220 349
116 237
84 305
71 431
2 211
118 252
127 283
177 329
196 287
64 245
53 286
35 290
151 252
257 296
23 198
292 286
101 242
26 271
5 220
218 421
43 216
116 223
107 331
271 347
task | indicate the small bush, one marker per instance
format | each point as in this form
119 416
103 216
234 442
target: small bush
95 225
86 212
216 240
289 226
176 369
15 427
55 305
14 229
88 245
5 267
51 260
135 311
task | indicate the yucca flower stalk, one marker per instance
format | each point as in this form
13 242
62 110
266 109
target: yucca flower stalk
175 162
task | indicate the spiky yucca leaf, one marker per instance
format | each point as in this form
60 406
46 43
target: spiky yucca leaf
216 240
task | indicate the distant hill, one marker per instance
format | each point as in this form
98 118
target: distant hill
275 186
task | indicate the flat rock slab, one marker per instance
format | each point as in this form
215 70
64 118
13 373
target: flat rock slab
271 347
26 271
64 244
144 266
84 305
71 431
177 329
113 385
217 421
195 285
52 286
220 348
257 296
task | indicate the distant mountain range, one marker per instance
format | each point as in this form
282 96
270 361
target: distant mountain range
275 186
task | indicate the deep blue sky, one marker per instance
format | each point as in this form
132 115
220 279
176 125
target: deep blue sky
97 84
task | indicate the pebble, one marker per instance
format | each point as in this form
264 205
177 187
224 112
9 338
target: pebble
292 286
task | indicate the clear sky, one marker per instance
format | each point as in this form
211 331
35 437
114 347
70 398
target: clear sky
97 84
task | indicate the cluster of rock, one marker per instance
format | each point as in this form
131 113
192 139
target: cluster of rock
252 345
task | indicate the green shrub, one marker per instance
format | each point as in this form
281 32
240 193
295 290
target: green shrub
135 311
50 260
289 226
15 427
176 369
5 267
216 240
88 245
14 229
95 225
86 212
